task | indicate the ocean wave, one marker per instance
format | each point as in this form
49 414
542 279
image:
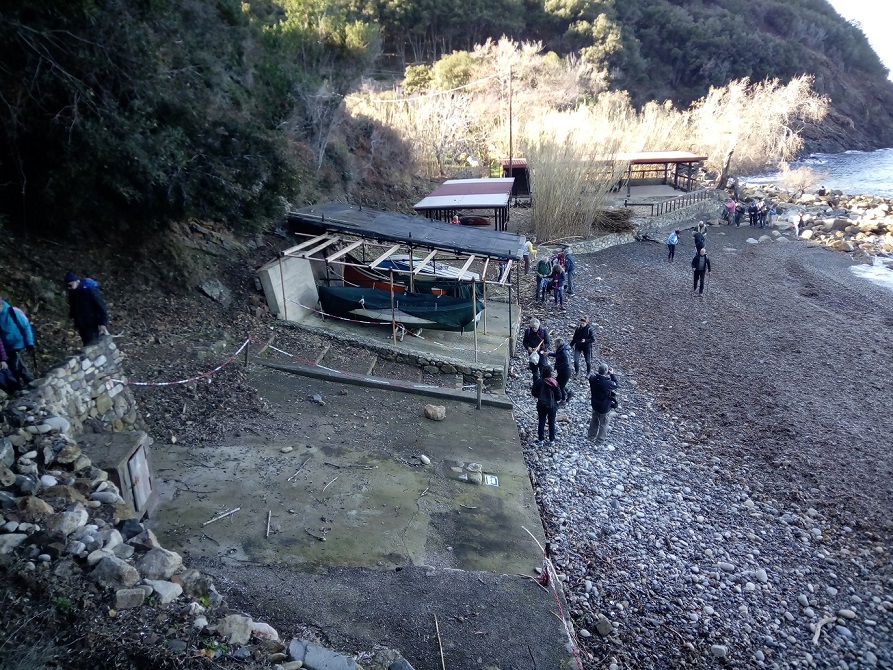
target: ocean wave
854 151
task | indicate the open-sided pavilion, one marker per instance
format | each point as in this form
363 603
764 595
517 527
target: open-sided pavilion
455 195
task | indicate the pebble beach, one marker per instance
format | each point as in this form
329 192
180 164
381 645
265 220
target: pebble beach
741 513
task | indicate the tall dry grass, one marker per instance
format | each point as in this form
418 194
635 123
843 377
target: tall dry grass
565 122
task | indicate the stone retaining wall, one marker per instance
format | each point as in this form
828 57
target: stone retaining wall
82 391
655 226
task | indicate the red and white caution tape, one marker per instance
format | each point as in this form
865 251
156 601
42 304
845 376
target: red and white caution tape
191 379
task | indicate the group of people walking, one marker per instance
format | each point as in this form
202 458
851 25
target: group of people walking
554 275
550 384
87 310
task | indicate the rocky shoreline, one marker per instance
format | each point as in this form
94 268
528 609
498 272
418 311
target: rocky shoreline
718 525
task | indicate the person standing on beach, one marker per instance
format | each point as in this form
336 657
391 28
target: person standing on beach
529 251
602 387
86 308
562 358
536 341
545 390
570 267
581 343
672 241
700 264
543 274
558 277
700 235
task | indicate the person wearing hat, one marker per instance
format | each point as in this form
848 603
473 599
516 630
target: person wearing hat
86 308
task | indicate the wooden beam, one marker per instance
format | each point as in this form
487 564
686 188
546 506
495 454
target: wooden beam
466 266
346 250
386 254
508 273
319 247
425 262
304 245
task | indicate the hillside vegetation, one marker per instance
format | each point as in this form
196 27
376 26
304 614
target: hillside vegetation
139 113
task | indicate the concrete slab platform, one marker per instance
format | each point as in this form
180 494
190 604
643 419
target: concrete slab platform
403 541
356 481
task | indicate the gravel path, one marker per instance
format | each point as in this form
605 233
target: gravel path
745 497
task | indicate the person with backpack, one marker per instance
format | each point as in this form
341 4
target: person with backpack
581 343
602 387
545 390
672 241
536 341
543 275
86 308
17 336
700 264
700 235
563 368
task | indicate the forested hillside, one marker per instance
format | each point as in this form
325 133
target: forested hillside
116 112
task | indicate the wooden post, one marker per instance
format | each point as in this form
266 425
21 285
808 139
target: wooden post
393 316
247 347
474 323
479 383
411 273
511 326
282 286
484 287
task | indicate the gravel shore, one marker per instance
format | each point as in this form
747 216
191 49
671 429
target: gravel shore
742 510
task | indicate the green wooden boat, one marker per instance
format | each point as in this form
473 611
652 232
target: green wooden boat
412 310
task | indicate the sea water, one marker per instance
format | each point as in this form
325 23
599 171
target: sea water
853 173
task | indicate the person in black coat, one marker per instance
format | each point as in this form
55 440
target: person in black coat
700 264
545 390
536 338
602 387
86 308
581 343
563 368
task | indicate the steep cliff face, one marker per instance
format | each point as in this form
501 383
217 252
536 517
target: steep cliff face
860 115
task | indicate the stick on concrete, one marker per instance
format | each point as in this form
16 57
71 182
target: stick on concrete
269 514
222 516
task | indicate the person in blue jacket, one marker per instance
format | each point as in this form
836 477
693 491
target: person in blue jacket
86 308
570 267
672 241
17 336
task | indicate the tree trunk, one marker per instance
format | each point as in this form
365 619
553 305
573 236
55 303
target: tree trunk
724 174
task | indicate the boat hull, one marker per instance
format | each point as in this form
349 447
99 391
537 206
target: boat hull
410 309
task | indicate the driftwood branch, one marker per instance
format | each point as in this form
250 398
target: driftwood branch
222 516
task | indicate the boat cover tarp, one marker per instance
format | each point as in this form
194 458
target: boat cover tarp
444 312
416 231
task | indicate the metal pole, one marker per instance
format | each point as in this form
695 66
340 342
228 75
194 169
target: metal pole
474 306
510 131
393 317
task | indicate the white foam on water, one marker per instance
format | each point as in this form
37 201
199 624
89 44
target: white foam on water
879 272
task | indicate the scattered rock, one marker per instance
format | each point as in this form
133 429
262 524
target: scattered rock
435 412
159 563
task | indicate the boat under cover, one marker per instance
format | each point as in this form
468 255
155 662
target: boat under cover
413 310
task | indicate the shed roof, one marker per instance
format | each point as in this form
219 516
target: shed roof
377 225
659 157
469 193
